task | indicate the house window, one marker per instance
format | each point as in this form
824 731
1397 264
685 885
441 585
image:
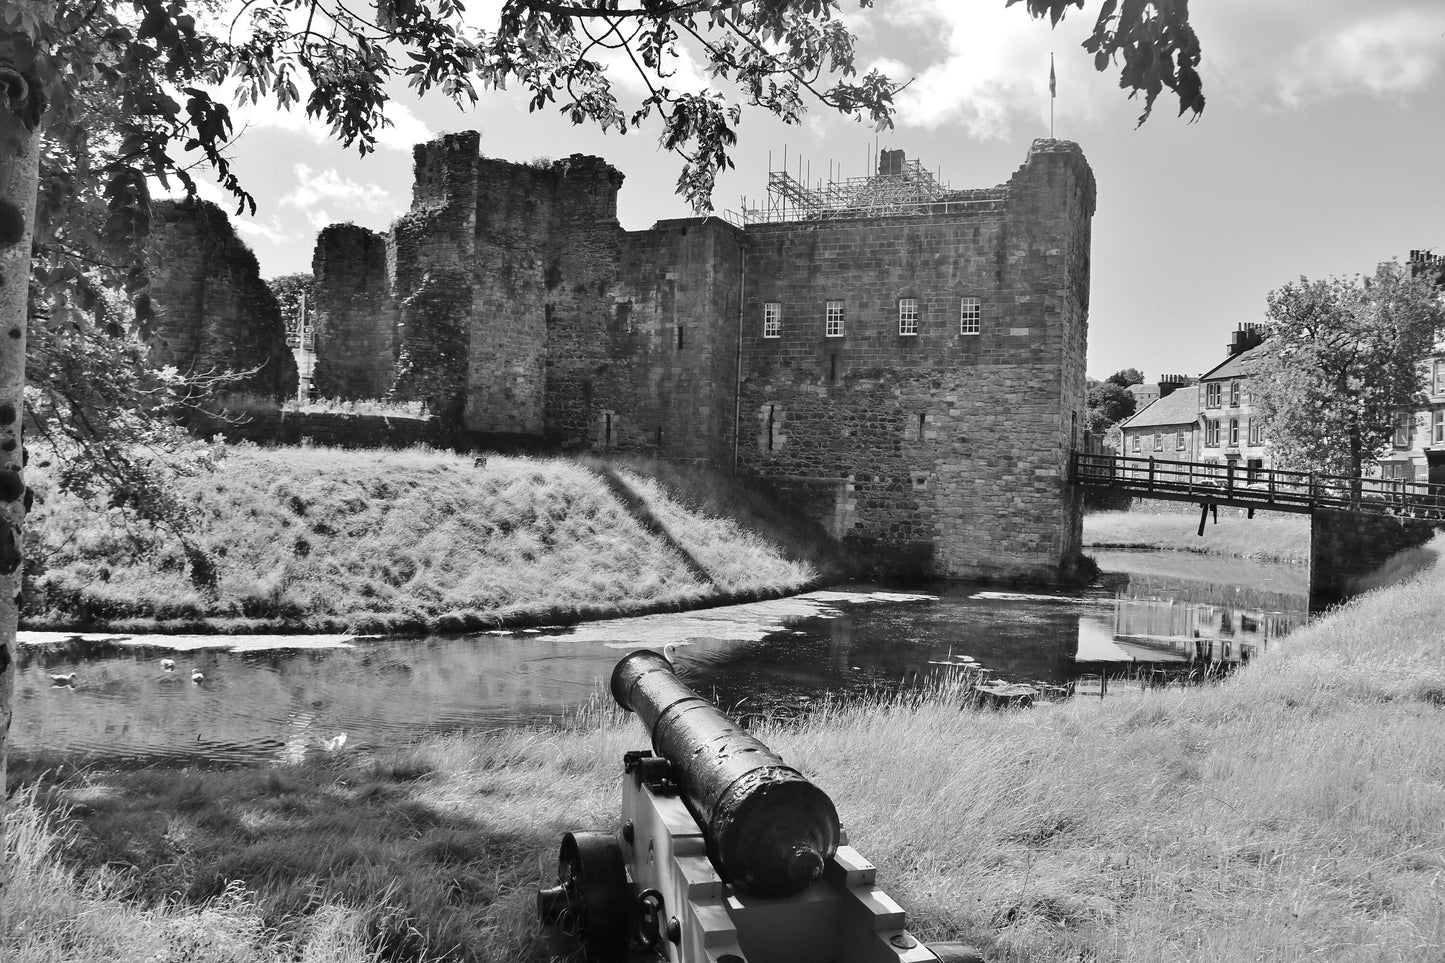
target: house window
773 319
1439 378
908 316
1179 441
1234 432
1437 426
1404 421
970 316
1158 441
1211 433
1234 394
833 320
1211 395
1136 442
1256 432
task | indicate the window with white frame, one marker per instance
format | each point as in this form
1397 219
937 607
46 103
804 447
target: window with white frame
1438 379
1234 394
1179 441
1256 431
970 316
1211 433
1137 443
1234 432
1211 395
1404 422
908 316
1158 441
773 319
1437 426
833 320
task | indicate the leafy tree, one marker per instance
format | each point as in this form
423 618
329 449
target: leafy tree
1342 357
290 289
1106 404
154 65
1126 377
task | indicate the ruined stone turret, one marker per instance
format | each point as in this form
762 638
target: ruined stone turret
214 313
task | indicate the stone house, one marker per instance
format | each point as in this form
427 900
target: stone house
1229 432
1167 429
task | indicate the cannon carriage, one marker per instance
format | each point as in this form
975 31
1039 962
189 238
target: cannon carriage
724 853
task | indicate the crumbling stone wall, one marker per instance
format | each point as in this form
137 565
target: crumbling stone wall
523 310
354 314
214 313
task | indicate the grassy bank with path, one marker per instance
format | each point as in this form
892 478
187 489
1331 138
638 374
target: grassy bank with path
1268 537
312 539
1293 812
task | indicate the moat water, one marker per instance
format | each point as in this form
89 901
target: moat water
282 698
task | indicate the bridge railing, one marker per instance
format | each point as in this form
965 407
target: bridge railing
1277 488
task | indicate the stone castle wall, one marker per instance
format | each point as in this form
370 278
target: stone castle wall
522 309
213 311
354 314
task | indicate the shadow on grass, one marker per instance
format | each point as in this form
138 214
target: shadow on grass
436 881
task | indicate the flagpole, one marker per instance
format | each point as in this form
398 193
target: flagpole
1051 95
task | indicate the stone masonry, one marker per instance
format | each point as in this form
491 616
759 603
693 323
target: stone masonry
214 313
512 301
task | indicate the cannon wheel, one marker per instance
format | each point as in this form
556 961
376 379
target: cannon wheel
592 870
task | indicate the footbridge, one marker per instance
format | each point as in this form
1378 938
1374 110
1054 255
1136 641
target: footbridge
1355 523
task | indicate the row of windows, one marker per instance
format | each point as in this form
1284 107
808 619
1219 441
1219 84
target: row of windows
1213 392
970 318
1213 431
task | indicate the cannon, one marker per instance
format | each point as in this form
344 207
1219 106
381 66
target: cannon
724 854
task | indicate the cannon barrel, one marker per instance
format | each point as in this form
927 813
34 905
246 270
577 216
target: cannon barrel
769 830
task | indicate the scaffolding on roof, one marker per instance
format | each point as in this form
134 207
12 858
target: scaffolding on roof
901 187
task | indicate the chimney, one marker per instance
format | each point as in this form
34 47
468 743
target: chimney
891 161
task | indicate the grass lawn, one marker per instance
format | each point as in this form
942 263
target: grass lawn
1269 536
321 539
1294 812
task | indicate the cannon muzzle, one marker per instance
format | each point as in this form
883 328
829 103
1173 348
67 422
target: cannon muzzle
769 830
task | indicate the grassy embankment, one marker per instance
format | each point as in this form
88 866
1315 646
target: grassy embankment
1268 537
320 539
1295 812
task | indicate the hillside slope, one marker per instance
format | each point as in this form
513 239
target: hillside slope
320 539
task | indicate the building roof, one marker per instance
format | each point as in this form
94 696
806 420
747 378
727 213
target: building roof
1179 407
1236 366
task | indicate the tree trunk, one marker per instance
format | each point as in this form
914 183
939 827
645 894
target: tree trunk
21 103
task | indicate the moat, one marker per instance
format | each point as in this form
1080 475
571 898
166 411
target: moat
261 701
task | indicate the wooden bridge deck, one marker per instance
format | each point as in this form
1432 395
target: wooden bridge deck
1267 489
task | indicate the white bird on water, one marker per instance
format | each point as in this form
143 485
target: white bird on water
67 679
334 743
168 664
669 652
197 677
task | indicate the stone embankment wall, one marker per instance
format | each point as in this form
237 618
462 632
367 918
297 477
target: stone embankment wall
322 428
520 309
214 313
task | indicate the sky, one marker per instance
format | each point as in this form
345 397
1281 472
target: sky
1321 151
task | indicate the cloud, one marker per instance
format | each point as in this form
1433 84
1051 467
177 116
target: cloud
269 231
1382 49
314 186
983 66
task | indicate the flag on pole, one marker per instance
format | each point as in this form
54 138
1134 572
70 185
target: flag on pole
1052 86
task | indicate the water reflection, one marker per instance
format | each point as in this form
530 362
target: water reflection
780 657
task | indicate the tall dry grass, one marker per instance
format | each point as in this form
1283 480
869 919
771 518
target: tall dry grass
50 914
1295 812
324 539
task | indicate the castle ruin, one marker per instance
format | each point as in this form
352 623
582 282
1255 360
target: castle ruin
909 373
